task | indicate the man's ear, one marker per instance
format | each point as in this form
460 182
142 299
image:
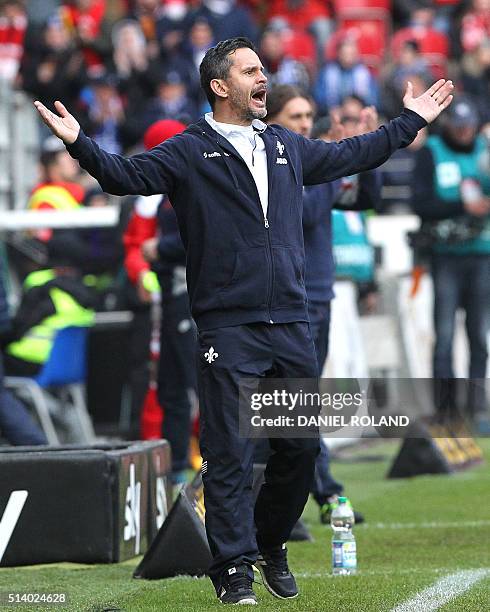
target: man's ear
219 87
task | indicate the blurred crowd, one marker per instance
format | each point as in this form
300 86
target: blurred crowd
119 65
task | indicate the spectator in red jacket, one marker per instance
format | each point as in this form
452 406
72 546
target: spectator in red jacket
143 222
13 25
475 27
86 21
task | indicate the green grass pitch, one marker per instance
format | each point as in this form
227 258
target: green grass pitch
417 531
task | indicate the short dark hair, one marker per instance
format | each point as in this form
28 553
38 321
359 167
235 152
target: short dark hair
280 95
321 127
412 44
354 97
49 158
216 63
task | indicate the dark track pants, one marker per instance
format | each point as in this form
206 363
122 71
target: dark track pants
16 422
461 281
324 484
253 350
177 375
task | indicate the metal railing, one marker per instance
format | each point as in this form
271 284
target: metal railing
19 147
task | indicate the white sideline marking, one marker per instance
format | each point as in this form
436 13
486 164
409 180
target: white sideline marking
442 591
382 572
427 525
11 515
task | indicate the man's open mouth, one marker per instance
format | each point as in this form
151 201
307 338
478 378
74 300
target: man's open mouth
259 96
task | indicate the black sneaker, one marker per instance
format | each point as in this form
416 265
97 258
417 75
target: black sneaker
273 566
236 586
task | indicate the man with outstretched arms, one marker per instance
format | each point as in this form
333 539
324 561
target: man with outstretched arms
236 186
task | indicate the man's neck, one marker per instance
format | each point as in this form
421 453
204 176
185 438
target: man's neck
227 115
54 177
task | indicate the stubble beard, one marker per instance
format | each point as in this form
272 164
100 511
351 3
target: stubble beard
240 103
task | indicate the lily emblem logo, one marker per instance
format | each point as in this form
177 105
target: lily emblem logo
280 147
211 355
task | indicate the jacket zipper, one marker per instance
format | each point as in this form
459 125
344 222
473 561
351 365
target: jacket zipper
266 226
271 284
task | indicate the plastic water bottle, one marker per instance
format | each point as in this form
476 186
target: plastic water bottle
344 556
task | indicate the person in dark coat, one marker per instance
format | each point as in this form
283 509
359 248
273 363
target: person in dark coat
16 423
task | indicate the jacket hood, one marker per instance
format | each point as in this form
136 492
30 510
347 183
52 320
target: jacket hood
203 127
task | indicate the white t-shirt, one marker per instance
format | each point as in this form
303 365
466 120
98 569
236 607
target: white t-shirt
248 143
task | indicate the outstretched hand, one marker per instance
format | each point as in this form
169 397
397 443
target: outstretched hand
337 130
368 120
64 125
432 102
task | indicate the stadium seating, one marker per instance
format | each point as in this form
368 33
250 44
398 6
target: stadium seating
66 372
371 40
434 46
343 7
300 45
372 20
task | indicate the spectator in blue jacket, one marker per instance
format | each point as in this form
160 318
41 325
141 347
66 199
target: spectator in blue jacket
281 69
228 19
16 424
199 40
236 185
344 76
172 100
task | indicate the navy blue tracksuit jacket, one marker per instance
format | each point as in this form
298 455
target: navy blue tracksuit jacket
176 371
242 268
318 203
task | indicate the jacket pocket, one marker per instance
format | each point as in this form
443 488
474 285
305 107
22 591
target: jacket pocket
289 285
247 286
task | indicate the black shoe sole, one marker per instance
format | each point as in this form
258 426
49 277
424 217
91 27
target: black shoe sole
252 602
268 586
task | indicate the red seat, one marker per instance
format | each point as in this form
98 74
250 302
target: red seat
342 6
300 45
371 41
373 19
430 41
377 29
434 47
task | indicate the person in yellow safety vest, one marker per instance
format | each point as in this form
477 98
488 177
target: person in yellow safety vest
59 188
52 197
52 299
